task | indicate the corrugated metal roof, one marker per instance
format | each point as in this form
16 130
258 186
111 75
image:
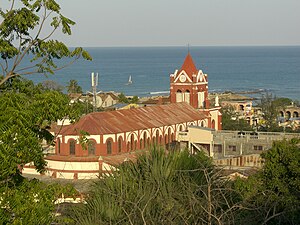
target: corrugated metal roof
134 119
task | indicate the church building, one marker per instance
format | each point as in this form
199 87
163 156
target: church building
100 140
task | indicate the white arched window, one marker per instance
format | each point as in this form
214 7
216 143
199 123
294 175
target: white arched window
187 96
179 97
201 99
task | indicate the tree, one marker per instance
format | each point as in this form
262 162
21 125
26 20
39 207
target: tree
73 87
272 196
26 110
160 188
32 202
23 38
26 115
51 85
231 120
271 106
122 98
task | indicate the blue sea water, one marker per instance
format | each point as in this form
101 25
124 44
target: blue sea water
238 69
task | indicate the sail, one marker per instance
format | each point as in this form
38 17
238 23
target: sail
129 80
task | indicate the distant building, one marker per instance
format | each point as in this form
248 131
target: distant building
230 148
103 99
289 117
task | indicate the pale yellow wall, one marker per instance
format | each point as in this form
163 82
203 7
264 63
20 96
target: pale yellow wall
199 135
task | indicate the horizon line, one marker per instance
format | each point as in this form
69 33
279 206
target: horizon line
185 46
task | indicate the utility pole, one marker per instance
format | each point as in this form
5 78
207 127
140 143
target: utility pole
94 89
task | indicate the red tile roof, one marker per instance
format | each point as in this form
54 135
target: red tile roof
134 119
189 66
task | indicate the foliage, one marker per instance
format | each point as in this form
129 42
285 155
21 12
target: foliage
231 121
160 188
271 106
31 202
272 196
50 85
26 114
135 99
123 99
73 87
23 37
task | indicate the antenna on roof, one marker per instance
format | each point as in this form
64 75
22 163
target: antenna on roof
188 48
94 87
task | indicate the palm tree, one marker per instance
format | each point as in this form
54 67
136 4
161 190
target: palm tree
73 87
159 188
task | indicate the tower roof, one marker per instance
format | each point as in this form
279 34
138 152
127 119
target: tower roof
189 66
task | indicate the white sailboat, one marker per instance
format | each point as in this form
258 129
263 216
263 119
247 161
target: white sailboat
129 80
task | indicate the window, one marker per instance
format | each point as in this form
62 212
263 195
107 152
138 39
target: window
120 144
132 144
157 137
91 147
232 148
108 147
58 145
187 96
201 102
213 124
72 147
258 147
169 136
180 128
141 143
179 97
145 139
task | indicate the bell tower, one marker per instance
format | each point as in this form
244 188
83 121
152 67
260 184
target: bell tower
189 85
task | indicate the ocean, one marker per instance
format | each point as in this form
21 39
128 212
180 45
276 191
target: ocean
238 69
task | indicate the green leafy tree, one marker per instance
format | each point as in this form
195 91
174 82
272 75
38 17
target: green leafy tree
26 114
73 87
122 98
31 202
26 110
272 196
271 106
231 121
23 38
135 99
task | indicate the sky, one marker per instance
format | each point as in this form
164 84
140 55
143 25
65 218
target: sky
105 23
